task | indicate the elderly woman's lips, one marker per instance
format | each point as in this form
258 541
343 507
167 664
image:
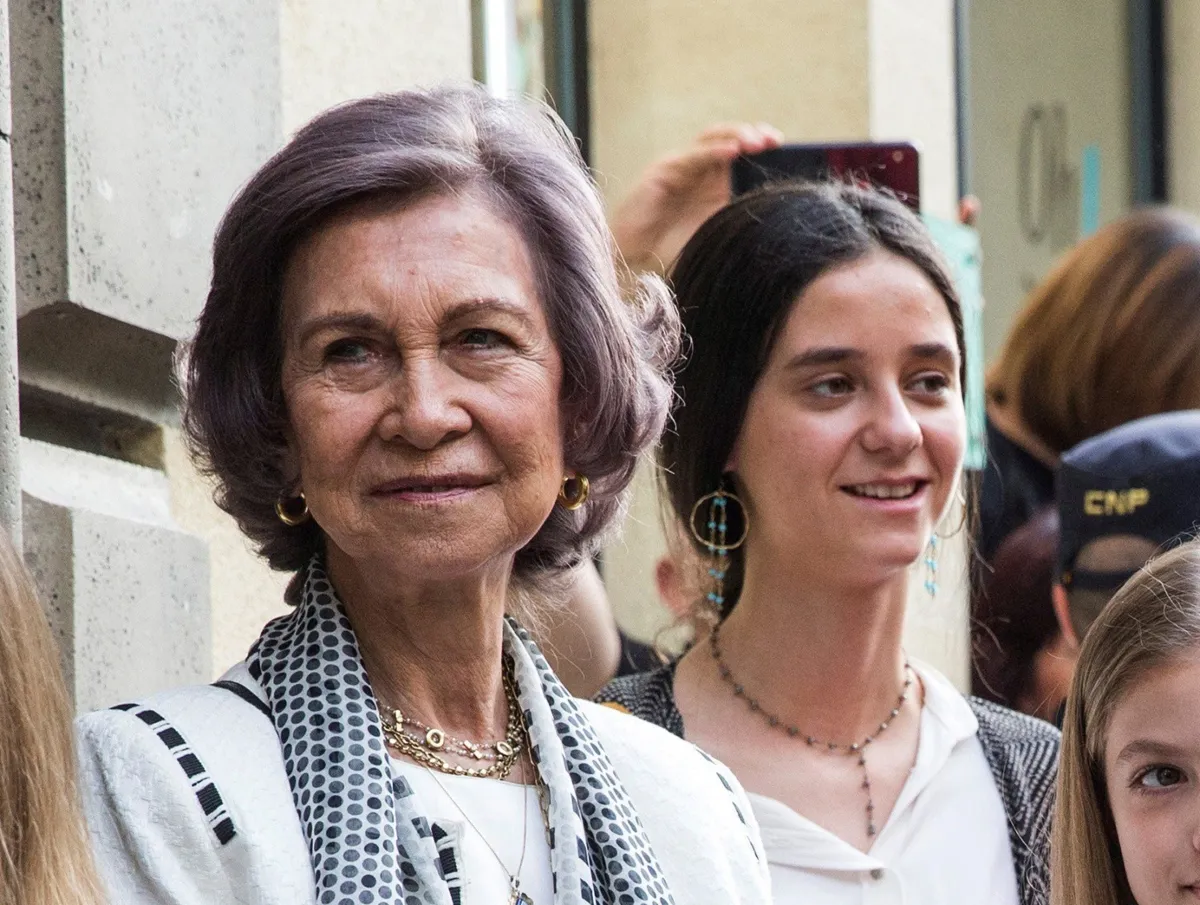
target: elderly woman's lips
434 490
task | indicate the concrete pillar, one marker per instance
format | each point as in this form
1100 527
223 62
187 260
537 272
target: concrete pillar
133 126
662 70
10 459
1183 104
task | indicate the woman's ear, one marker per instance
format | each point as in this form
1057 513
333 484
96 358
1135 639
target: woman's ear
731 463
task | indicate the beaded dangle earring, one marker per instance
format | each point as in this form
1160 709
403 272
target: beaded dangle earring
713 536
931 566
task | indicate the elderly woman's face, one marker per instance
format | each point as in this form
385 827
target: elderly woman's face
422 387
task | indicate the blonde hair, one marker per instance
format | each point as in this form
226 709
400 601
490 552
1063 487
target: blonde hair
1153 619
1110 335
44 852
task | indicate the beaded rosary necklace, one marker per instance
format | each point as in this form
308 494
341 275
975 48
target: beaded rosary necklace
854 748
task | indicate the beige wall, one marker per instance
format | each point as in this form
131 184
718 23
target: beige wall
329 52
662 70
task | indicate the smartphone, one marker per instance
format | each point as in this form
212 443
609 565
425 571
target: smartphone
892 165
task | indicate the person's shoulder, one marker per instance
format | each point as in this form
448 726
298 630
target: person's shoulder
207 715
1022 752
185 789
691 805
650 696
1002 727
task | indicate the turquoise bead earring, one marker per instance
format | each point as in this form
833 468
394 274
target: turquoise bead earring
931 566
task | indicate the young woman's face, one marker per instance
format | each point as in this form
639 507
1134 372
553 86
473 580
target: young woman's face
854 435
1152 772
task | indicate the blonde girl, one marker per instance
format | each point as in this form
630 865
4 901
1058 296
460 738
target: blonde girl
44 854
1127 821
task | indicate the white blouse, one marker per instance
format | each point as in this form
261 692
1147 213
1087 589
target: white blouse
945 843
495 810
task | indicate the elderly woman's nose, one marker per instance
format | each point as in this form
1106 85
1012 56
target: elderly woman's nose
891 425
425 407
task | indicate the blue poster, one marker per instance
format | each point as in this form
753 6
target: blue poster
960 245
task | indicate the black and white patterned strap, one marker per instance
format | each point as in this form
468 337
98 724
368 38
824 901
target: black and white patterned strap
207 796
367 838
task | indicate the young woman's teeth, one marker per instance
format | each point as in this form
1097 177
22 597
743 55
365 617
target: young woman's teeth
884 491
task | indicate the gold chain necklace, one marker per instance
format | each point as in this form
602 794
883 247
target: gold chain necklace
854 748
427 749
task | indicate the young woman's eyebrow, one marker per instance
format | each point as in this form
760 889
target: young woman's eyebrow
822 356
1142 747
935 352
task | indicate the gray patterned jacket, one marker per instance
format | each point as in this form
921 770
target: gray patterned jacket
1021 751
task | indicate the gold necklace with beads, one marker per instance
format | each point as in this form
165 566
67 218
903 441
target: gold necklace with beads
428 748
854 748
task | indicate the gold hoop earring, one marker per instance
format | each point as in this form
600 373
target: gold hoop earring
714 537
574 492
286 510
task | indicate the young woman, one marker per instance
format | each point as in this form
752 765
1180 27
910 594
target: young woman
44 856
818 442
1127 823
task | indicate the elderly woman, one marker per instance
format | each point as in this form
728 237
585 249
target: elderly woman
419 390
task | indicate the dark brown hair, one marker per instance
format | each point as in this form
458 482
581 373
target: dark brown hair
401 148
735 281
1112 334
1013 610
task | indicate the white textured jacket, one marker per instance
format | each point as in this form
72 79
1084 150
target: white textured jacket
188 804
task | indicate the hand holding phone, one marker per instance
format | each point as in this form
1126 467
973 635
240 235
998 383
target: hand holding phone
894 166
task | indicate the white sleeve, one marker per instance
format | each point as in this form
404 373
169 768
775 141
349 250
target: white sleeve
153 843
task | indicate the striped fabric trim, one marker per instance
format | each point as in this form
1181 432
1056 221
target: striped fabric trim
205 790
446 842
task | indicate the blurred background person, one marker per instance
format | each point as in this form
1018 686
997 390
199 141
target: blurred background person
1020 658
817 444
1126 824
1123 496
44 854
1110 335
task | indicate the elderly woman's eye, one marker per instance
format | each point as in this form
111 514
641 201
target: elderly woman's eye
1160 777
481 337
347 350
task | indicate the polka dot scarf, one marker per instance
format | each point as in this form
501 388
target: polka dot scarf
368 840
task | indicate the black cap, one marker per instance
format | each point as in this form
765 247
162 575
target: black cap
1142 478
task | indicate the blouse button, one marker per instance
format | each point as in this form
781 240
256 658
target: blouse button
876 873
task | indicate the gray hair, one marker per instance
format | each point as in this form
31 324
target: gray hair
616 352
